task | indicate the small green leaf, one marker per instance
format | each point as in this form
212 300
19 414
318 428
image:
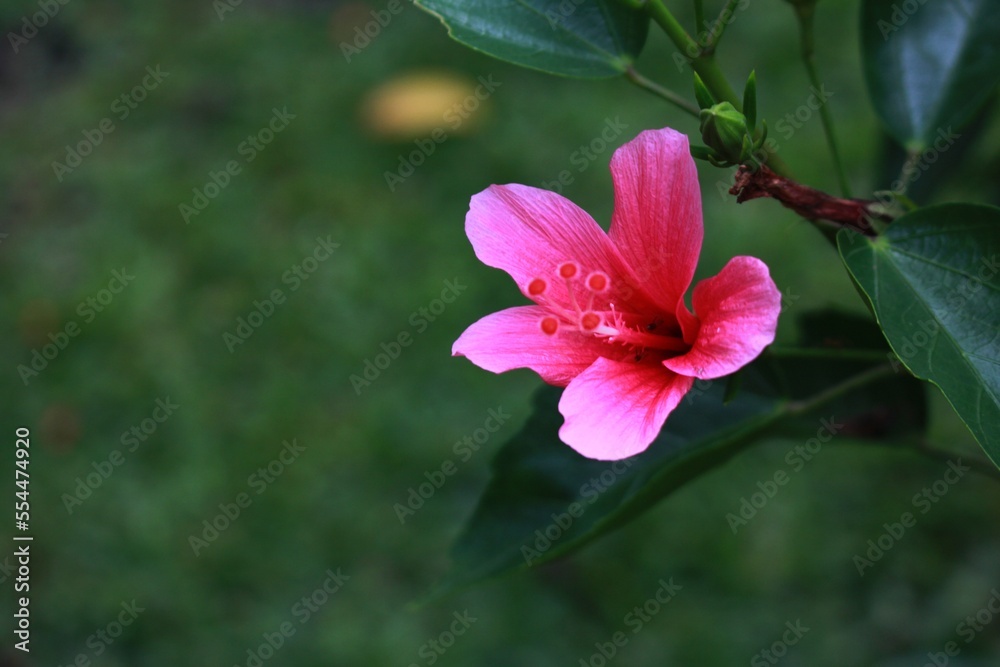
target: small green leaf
592 39
933 281
702 94
750 101
929 65
701 152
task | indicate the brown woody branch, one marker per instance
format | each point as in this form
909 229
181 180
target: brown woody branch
808 202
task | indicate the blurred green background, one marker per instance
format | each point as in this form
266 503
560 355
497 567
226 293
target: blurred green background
330 507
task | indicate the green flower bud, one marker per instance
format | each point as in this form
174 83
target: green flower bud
724 130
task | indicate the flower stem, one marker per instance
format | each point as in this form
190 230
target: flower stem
838 390
701 62
699 15
719 27
806 14
675 31
922 446
660 91
912 157
808 202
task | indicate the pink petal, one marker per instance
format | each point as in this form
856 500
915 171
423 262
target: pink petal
738 310
657 223
615 409
528 232
512 339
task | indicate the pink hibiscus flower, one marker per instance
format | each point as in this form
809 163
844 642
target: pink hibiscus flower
609 321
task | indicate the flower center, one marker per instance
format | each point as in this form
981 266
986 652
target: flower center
606 322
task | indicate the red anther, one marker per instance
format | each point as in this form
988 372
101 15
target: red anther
568 270
590 321
598 281
537 287
549 325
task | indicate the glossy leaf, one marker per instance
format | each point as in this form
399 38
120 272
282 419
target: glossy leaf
589 39
933 281
929 64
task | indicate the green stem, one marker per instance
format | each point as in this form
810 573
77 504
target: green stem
827 353
837 390
701 62
806 14
715 80
704 64
911 159
675 31
981 466
660 91
699 15
719 27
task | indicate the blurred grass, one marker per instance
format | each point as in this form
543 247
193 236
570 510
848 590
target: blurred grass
333 507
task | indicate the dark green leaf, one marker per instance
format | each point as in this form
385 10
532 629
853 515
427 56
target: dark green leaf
888 408
590 39
933 281
929 64
539 484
